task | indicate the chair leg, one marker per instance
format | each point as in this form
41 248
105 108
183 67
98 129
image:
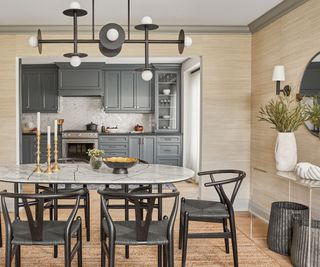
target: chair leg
111 253
165 256
170 253
185 238
8 253
87 215
0 232
55 217
103 254
181 226
79 240
226 240
67 253
234 240
18 257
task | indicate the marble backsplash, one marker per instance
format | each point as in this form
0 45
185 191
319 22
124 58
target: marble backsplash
79 111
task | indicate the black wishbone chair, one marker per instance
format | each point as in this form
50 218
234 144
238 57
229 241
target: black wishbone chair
55 206
36 231
212 211
141 231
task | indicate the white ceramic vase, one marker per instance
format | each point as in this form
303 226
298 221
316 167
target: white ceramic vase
286 152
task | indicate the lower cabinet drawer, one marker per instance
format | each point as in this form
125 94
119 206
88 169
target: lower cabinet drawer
116 153
169 149
113 139
172 162
114 146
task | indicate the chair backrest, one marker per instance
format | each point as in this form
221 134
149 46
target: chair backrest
142 199
218 184
35 221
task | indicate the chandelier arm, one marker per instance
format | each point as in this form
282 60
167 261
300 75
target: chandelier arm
146 48
129 20
92 19
75 33
89 41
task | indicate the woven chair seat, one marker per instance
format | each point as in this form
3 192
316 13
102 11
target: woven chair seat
203 209
126 233
53 233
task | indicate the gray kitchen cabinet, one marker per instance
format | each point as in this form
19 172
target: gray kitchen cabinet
112 90
167 99
114 146
126 91
29 148
85 80
39 88
169 150
143 147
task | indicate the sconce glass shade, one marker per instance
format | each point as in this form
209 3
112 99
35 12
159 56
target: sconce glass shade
147 75
75 61
278 74
74 5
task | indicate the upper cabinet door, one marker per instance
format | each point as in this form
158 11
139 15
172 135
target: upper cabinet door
49 89
128 94
39 89
112 90
144 94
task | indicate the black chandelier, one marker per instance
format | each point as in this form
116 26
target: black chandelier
111 38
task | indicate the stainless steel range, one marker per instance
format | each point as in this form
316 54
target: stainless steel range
75 144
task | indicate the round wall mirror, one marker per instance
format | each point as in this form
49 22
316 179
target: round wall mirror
310 91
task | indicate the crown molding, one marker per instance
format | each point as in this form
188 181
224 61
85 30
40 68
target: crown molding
64 29
275 13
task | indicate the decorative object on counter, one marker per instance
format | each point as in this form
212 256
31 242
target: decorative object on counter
278 76
138 128
299 248
92 127
166 91
55 165
60 126
95 158
281 220
120 165
111 38
112 129
38 168
286 115
49 169
308 171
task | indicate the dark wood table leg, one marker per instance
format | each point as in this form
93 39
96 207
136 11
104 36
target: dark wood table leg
55 217
160 218
126 217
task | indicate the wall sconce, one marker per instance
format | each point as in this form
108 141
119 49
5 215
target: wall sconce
278 77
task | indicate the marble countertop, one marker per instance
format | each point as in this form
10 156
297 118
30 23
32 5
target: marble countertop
84 174
143 133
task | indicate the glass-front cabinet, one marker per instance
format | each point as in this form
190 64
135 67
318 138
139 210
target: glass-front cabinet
167 113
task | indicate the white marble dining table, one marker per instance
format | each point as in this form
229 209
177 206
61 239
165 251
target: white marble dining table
82 173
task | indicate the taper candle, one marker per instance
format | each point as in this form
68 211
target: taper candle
38 121
49 136
55 129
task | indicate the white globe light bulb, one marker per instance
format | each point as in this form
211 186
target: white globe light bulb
112 35
75 61
33 41
74 5
146 20
147 75
187 41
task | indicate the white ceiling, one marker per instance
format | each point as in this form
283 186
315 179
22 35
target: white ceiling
163 12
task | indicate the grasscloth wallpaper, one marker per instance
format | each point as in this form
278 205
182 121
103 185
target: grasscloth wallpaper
226 84
291 41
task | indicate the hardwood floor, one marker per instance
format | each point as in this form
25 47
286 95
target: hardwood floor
201 252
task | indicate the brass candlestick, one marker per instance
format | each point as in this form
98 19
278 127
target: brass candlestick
48 170
55 166
38 168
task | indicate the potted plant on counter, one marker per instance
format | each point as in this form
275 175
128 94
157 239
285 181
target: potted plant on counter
95 158
285 115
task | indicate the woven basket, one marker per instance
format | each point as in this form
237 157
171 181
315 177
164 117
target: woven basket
299 248
281 224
